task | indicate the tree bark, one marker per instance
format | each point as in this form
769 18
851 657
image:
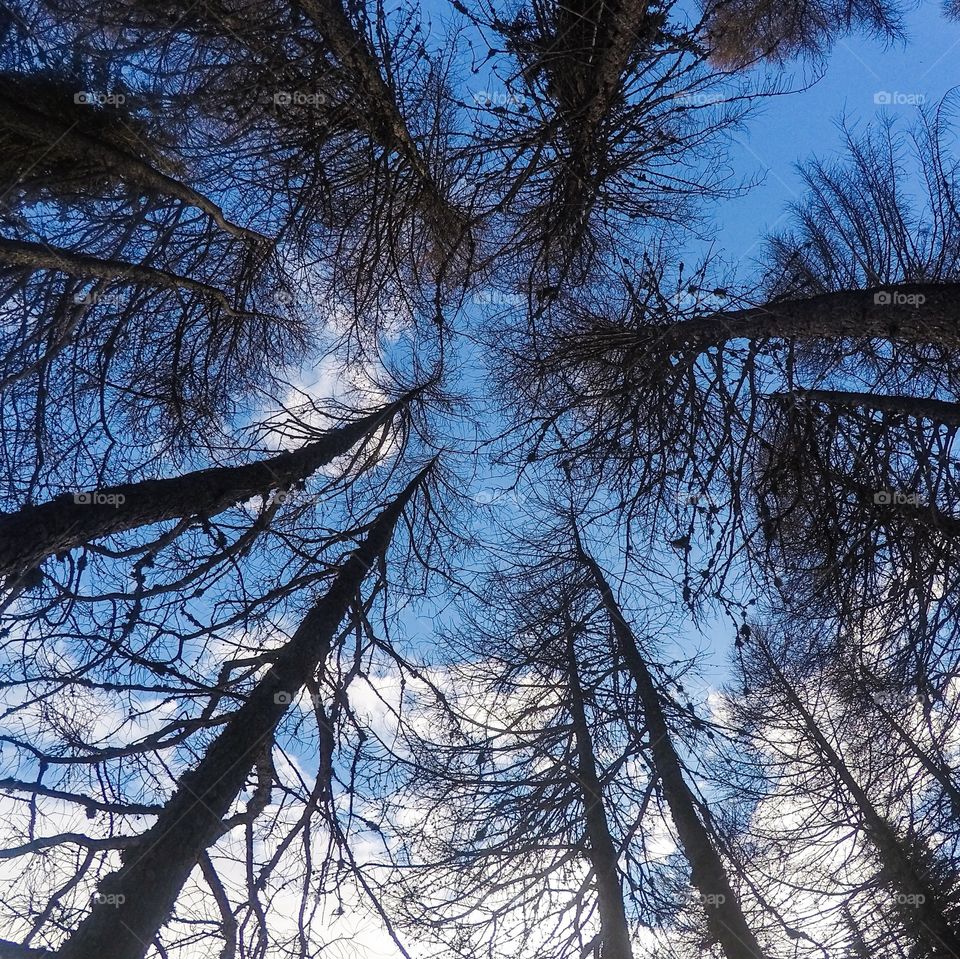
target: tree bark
156 868
846 314
725 918
614 931
940 411
31 534
42 256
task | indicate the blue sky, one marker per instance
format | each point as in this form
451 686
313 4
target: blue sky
793 127
781 132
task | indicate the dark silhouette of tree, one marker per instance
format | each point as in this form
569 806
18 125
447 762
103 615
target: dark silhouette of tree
600 103
35 532
518 787
846 784
543 727
854 465
157 865
725 919
743 34
228 227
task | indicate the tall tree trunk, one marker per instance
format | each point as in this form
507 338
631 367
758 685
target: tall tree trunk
591 46
35 532
725 917
602 852
156 868
854 314
940 411
33 125
921 905
42 256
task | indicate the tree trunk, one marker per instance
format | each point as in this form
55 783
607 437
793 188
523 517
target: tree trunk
602 852
42 256
917 407
156 868
35 532
851 314
596 40
921 906
128 168
725 918
936 768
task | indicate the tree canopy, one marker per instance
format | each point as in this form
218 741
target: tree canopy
383 430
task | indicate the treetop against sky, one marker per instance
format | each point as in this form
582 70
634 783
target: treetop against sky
479 479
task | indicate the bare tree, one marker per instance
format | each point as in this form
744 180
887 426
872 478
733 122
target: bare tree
203 201
725 918
140 896
35 532
893 849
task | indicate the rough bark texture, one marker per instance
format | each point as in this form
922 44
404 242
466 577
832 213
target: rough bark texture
35 532
156 868
708 876
852 314
602 852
